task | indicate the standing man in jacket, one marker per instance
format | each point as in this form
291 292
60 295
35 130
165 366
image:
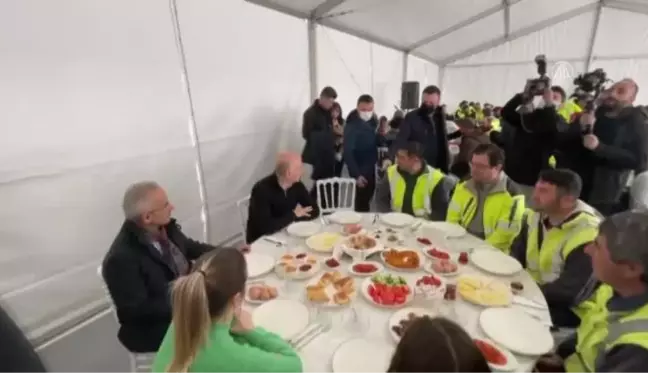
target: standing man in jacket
426 125
319 135
361 150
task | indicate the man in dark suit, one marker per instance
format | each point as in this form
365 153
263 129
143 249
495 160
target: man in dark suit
16 354
148 253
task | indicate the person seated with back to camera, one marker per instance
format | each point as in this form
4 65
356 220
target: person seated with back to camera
149 252
488 205
437 345
552 240
413 187
211 332
279 199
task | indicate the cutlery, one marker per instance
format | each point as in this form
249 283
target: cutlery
375 219
541 319
416 226
302 334
273 240
323 328
528 303
323 220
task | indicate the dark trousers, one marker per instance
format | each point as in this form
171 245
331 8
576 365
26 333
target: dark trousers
364 195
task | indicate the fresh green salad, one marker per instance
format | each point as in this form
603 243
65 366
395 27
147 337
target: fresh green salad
388 279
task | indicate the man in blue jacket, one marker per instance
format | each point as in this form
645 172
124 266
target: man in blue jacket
361 151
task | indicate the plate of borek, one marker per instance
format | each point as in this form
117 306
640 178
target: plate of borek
331 289
297 266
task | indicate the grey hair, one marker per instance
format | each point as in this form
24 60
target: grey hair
135 198
626 235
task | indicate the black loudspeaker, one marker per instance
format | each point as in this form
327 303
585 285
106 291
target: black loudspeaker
410 95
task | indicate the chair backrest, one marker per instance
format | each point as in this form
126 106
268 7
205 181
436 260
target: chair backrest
335 194
243 205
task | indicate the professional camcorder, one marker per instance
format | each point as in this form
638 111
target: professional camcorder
588 88
536 87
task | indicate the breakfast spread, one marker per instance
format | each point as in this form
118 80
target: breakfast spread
361 242
438 254
402 259
405 323
323 242
484 291
491 353
444 266
331 288
297 266
388 290
261 292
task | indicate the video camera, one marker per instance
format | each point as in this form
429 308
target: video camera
536 87
588 88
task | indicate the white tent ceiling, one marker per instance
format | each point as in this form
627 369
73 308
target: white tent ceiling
456 32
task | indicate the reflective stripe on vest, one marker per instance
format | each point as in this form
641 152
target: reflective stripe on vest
431 181
535 249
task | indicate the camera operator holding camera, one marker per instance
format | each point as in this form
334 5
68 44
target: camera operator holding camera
608 142
534 119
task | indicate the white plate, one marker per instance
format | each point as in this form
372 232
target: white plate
298 275
303 229
318 242
428 268
511 361
283 317
258 264
426 249
443 229
364 288
360 254
330 291
252 301
362 355
421 260
402 314
360 274
514 329
495 262
397 219
345 217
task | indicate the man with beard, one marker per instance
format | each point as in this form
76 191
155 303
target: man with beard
426 125
607 146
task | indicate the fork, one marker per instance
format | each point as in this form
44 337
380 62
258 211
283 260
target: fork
321 329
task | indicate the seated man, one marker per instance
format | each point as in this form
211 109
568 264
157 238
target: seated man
279 199
413 187
551 243
149 252
488 205
613 334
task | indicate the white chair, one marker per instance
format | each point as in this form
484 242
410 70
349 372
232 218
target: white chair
139 362
335 194
243 205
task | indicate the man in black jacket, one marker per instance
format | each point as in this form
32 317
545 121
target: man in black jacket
149 252
16 354
427 126
317 131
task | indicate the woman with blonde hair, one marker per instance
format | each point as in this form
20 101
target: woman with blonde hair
210 332
437 345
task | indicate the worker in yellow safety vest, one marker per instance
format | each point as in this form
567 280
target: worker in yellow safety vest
613 334
488 205
551 243
413 187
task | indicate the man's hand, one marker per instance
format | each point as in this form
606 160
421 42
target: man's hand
590 141
361 181
302 212
245 249
547 97
242 322
587 119
386 163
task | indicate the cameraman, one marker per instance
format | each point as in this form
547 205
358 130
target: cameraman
534 122
612 143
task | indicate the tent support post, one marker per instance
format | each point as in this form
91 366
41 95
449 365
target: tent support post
405 67
312 58
520 33
592 39
507 17
193 130
442 71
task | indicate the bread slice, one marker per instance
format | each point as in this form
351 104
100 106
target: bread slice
341 298
317 294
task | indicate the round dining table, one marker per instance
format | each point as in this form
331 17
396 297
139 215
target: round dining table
363 319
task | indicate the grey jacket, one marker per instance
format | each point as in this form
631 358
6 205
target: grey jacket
439 199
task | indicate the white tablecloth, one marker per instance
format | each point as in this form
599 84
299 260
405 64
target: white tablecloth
317 355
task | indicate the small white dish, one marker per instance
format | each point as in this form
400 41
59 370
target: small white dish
379 268
303 229
428 268
397 219
511 361
364 288
345 217
258 264
495 262
258 301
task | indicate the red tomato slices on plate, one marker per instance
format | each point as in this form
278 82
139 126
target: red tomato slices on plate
388 290
491 353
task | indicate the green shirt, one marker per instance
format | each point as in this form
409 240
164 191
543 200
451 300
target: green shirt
255 351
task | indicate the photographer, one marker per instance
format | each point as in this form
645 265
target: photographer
534 121
607 145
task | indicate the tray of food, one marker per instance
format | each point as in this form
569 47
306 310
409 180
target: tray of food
331 289
260 292
365 268
442 267
402 259
387 291
484 291
323 242
361 246
297 266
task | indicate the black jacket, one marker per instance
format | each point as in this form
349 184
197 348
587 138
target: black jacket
417 127
532 141
138 280
319 149
16 353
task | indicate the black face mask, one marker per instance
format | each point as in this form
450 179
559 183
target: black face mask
428 108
